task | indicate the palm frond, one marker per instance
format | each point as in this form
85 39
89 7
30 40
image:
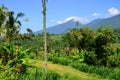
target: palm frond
20 14
29 30
19 23
11 13
5 8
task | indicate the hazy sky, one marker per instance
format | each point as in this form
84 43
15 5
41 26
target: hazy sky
60 11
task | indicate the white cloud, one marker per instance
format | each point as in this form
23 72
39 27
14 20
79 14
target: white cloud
96 14
113 11
75 18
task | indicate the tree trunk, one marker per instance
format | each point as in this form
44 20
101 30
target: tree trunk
45 43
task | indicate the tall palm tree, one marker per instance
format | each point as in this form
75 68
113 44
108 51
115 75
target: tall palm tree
12 26
45 42
3 11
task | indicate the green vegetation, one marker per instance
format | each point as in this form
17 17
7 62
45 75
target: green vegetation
67 72
95 52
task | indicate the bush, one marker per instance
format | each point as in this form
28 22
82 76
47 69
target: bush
61 60
56 59
90 58
32 75
116 74
64 61
80 66
104 72
113 61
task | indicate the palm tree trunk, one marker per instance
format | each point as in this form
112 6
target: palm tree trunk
45 42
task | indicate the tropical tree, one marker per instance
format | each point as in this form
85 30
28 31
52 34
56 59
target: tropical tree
45 42
88 39
75 38
81 38
105 37
12 26
3 12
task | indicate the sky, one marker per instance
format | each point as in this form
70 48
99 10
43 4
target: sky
60 11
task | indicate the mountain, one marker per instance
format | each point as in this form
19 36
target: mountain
94 24
60 28
113 21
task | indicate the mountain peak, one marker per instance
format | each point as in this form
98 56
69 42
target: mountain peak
73 18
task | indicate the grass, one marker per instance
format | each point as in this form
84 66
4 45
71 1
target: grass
67 72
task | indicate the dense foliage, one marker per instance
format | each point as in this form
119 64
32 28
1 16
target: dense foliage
91 51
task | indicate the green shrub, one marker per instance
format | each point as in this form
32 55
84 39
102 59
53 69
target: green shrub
39 75
55 60
50 56
104 72
113 61
64 61
53 76
80 66
116 74
90 58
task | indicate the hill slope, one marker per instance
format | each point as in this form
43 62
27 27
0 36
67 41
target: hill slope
113 21
68 72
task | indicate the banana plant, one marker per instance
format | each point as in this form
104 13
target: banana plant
14 59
